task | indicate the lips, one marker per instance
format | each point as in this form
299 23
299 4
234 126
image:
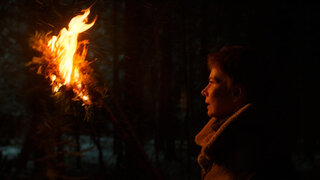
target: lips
207 105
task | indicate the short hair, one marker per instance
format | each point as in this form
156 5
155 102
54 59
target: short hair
245 66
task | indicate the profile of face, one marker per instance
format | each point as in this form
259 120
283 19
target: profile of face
223 98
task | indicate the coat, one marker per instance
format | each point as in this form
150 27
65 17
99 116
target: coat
244 146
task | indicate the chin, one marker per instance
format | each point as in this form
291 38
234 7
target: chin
210 114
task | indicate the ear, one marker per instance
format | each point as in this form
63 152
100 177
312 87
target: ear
237 93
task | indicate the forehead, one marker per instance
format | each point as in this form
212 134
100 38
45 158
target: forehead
216 73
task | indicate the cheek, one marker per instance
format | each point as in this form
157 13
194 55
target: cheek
216 92
220 95
223 92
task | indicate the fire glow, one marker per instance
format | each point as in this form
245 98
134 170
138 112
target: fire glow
63 58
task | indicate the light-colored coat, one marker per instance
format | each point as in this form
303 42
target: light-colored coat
242 147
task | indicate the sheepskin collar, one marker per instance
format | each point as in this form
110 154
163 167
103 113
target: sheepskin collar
212 131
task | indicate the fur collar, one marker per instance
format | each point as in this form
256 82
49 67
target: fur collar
214 129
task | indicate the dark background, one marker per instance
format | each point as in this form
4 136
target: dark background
151 55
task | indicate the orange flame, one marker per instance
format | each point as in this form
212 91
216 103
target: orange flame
66 57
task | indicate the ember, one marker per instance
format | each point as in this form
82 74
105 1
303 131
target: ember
63 58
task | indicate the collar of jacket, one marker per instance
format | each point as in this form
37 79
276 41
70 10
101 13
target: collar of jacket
214 129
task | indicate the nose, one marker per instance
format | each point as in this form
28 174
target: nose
204 92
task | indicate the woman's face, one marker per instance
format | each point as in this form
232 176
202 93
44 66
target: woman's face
219 94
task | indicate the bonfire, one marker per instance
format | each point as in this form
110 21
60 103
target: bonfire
63 59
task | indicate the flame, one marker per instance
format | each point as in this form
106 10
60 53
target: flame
66 57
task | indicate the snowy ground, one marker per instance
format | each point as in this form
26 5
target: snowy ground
305 167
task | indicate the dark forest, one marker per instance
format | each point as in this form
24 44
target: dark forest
149 59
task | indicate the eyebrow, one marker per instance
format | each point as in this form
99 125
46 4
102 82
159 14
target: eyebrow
214 78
